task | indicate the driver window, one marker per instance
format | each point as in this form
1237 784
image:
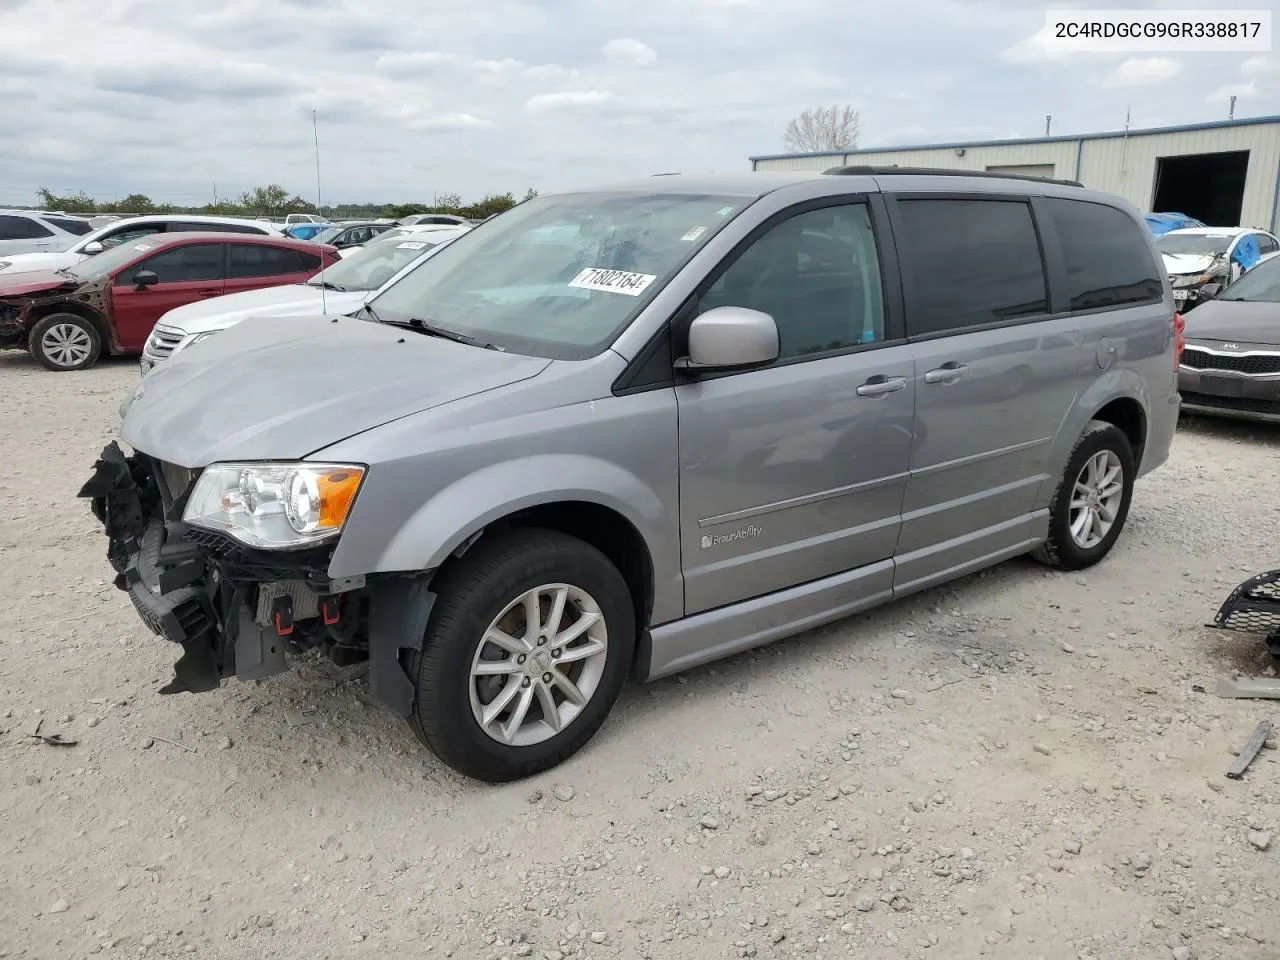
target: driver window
124 236
189 264
817 274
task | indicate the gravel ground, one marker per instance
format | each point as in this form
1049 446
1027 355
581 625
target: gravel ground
1016 766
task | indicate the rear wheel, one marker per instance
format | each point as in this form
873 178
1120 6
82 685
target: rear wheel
1091 504
526 651
64 341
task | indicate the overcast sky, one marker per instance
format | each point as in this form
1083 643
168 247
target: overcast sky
419 97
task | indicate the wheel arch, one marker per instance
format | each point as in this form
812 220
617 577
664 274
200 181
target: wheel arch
81 310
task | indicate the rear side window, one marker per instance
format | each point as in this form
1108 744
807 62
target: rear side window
1267 244
191 226
1108 259
77 227
970 262
260 260
22 228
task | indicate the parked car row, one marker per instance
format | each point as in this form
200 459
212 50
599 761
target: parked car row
342 288
66 317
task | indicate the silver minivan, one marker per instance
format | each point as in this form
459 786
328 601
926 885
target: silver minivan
635 429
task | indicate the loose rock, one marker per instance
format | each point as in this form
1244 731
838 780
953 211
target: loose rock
564 792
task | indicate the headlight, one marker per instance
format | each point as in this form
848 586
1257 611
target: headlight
275 506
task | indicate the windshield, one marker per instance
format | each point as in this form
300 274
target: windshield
1194 244
110 260
559 276
1261 284
372 266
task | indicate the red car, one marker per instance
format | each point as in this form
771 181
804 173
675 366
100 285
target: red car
109 302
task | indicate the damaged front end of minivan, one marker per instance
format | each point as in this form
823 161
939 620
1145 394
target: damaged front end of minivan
236 609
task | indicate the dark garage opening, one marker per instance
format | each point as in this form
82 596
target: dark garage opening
1207 186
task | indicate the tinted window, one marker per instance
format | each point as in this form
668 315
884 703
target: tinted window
77 227
817 275
259 260
191 226
190 264
1266 244
22 228
970 262
125 234
1107 257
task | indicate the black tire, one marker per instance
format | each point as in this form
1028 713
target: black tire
1060 550
81 345
470 596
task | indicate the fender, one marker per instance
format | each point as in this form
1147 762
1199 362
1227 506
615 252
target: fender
464 508
1121 383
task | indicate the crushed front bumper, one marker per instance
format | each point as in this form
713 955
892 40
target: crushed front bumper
199 588
235 610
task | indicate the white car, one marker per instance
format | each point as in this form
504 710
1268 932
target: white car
342 288
33 232
439 219
122 231
1195 256
296 218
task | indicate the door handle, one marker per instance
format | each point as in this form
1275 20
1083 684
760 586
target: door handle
210 292
947 373
879 386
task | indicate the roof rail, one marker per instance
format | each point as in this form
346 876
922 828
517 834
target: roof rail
941 172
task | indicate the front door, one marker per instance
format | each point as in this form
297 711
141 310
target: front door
186 274
995 376
796 472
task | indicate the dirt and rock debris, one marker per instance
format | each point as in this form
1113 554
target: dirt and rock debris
1017 766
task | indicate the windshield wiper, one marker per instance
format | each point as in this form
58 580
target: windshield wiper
327 285
431 330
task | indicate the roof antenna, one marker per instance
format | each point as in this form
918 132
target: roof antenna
315 133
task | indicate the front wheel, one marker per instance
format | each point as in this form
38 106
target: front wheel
526 651
64 341
1091 504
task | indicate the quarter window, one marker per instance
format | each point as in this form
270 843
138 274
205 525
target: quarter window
193 263
817 275
22 228
1108 258
1267 244
970 262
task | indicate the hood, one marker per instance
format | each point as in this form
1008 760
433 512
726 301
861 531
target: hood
33 281
292 300
284 389
1234 321
1176 265
19 262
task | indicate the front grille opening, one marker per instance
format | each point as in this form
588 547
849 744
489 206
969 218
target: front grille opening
1250 364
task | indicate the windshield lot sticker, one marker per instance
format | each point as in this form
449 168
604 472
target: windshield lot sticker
614 281
694 233
410 245
724 211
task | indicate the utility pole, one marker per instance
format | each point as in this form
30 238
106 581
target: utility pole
1231 111
1047 120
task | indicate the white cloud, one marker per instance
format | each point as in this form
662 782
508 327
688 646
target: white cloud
629 52
409 64
1143 72
567 99
1224 93
1259 65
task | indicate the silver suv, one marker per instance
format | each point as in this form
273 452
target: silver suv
636 429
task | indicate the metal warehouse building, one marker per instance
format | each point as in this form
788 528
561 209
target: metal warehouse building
1225 173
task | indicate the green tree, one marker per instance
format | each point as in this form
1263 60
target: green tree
529 194
79 202
134 203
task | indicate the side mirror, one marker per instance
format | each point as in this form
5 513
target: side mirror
1210 290
730 338
145 278
92 249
